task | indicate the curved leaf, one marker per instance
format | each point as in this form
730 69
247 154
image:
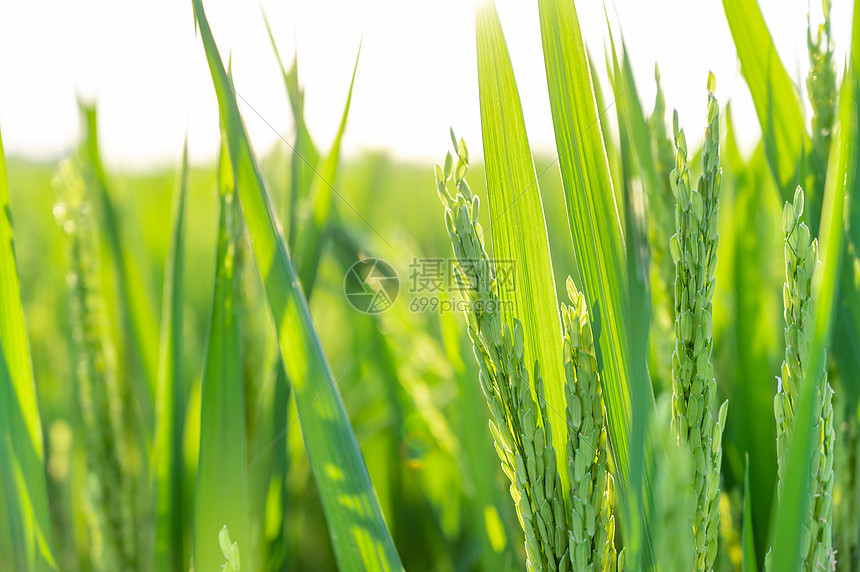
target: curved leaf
310 231
360 538
777 103
22 469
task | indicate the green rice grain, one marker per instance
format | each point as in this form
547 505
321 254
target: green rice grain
694 250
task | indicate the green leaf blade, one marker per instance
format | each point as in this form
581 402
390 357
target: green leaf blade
517 222
171 397
361 539
22 470
776 100
635 143
305 156
593 216
219 497
310 233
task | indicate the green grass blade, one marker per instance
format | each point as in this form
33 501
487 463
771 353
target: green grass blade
747 542
846 339
170 397
635 151
627 99
136 308
592 214
606 131
310 190
838 185
218 501
305 156
635 542
310 232
517 222
22 469
360 538
776 100
755 243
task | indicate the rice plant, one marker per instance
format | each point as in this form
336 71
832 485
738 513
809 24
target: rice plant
694 250
521 423
187 383
801 258
112 461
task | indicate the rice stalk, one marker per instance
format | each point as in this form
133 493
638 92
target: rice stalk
521 443
520 423
805 450
801 257
694 250
110 486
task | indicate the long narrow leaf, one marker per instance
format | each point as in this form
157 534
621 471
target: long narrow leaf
627 98
776 101
310 231
305 234
846 341
170 398
592 214
517 224
633 133
22 470
305 156
220 502
607 132
361 539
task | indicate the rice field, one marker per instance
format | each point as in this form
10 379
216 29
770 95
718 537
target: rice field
636 353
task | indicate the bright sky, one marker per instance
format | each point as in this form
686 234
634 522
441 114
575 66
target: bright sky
144 65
